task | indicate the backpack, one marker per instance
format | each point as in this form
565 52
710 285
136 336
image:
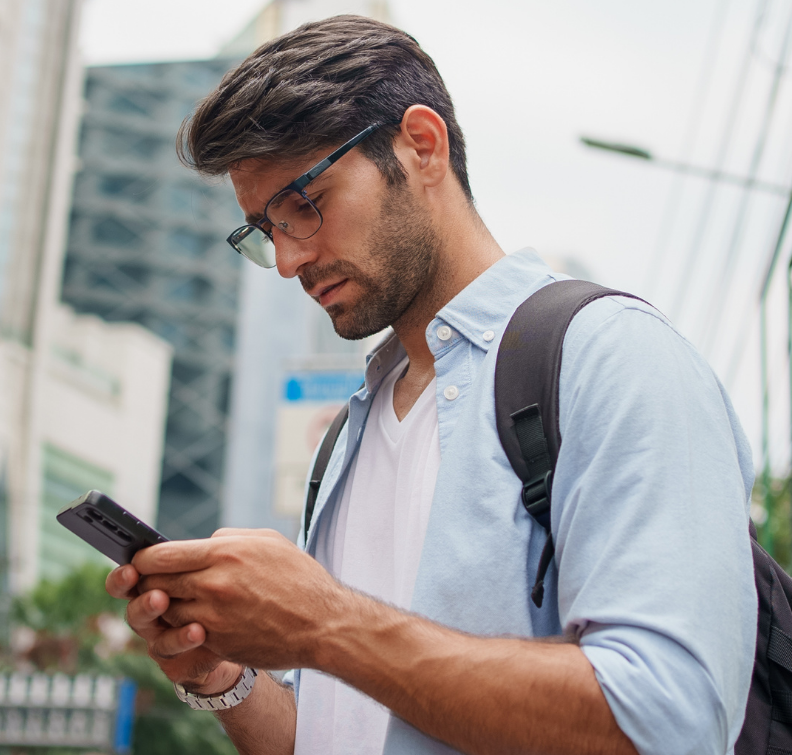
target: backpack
527 376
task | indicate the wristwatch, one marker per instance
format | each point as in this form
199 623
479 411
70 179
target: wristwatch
229 699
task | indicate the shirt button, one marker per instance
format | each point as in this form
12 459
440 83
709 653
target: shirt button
451 392
488 335
444 332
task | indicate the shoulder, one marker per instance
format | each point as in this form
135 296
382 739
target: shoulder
612 319
628 377
617 340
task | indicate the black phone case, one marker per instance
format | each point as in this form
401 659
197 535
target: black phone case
108 527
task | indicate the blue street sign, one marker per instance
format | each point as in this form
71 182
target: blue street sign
326 387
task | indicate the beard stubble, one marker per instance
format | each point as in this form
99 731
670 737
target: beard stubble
401 264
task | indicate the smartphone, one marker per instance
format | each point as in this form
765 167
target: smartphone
108 527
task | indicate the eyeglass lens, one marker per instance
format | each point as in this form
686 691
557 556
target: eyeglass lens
254 244
289 212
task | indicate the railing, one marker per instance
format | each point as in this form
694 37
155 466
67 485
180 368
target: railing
82 711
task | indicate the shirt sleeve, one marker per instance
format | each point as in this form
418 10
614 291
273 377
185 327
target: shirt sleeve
655 573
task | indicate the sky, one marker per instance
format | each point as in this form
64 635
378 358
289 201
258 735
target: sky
528 79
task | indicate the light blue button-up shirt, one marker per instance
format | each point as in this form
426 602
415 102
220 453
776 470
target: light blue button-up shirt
653 571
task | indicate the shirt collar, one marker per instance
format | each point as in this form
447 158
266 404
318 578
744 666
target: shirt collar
479 313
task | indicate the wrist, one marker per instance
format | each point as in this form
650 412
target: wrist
229 699
218 682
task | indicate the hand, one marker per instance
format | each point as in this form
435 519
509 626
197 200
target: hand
179 652
261 600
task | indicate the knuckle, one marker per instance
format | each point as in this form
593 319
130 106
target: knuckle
217 586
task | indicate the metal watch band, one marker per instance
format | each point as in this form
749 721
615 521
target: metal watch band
229 699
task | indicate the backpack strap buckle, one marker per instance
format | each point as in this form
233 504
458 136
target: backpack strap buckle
536 497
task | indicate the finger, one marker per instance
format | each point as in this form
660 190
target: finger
144 613
173 585
175 556
122 582
173 642
188 555
180 613
238 532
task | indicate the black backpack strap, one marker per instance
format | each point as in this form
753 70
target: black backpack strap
320 465
527 374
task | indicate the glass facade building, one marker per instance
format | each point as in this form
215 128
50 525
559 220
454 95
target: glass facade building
147 245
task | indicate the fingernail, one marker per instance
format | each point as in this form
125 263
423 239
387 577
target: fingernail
192 635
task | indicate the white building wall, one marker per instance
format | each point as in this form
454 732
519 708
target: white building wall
105 399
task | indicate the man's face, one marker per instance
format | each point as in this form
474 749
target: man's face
376 249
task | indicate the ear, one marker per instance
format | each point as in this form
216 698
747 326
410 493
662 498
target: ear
423 145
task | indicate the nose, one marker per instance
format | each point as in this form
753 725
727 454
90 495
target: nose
291 254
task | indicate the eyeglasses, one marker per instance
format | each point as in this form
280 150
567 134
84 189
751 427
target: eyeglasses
290 211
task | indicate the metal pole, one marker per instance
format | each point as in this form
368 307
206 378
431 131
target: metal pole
766 471
789 345
719 176
766 532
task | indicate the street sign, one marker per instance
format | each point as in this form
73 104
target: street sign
310 399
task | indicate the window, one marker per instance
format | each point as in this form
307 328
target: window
228 337
126 187
180 198
137 273
116 233
185 373
122 143
65 477
104 282
189 243
194 289
134 103
173 332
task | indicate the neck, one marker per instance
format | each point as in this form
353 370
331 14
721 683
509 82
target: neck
467 250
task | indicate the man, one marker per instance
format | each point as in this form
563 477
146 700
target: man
407 613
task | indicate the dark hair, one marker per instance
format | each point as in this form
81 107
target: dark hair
318 86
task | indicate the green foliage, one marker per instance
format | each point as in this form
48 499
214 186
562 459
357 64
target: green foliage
772 514
67 605
66 618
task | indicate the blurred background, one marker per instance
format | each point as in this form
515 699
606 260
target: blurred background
645 146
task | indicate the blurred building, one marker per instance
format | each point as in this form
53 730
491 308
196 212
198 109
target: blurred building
81 404
101 424
285 339
147 245
39 109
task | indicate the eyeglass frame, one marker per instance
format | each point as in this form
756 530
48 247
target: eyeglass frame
299 184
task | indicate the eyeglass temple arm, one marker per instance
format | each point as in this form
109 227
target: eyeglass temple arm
322 166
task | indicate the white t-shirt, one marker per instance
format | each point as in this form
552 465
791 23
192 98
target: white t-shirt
373 542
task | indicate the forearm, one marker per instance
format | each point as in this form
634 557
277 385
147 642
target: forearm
481 695
264 724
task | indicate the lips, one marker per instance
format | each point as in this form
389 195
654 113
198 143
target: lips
328 294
